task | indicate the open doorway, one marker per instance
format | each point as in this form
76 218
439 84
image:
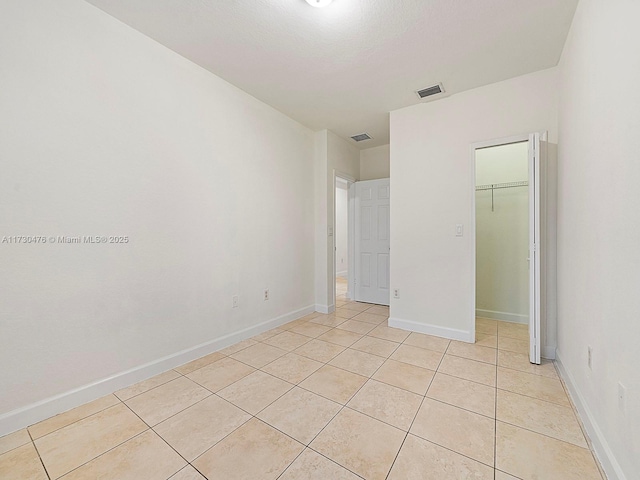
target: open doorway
341 240
507 219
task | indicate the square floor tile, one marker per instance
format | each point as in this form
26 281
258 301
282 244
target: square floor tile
378 310
287 340
145 385
515 330
254 392
459 430
358 362
254 451
345 313
196 429
472 352
266 335
504 476
220 374
313 466
487 329
356 327
334 383
14 440
485 340
469 369
417 356
292 368
52 424
259 355
357 306
526 454
388 333
311 329
372 318
360 443
340 337
537 386
546 418
405 376
319 350
429 342
187 473
199 363
458 392
422 460
520 361
328 320
513 345
375 346
388 404
71 446
144 456
236 347
166 400
22 463
300 414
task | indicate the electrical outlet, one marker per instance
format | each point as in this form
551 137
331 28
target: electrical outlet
622 393
396 293
589 356
236 301
266 294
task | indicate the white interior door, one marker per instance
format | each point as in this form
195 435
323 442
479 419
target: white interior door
372 241
535 282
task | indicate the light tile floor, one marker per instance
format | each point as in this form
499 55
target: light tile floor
326 397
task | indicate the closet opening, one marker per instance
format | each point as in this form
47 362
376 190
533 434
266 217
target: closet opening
503 291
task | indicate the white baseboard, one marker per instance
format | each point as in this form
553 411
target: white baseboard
600 445
325 308
413 326
504 316
342 274
548 352
38 411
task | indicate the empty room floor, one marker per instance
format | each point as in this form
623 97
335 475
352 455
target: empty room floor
338 396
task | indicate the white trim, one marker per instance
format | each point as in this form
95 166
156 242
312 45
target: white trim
548 352
325 308
503 316
451 333
599 443
38 411
342 273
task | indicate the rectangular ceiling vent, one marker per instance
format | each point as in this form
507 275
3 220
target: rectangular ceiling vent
427 92
361 137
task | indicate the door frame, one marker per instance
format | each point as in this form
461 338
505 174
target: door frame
485 144
350 236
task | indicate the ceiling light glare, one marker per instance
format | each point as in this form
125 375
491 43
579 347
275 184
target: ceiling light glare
319 3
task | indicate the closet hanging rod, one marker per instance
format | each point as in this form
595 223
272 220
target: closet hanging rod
495 186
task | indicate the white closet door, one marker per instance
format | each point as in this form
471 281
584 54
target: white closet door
535 293
372 241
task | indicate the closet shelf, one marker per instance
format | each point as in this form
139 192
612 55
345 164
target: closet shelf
497 186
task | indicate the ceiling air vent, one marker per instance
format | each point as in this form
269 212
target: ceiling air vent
361 137
427 92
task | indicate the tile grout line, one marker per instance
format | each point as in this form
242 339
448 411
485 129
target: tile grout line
416 414
44 467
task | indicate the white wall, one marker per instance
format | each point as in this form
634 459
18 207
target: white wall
333 154
432 185
341 230
374 163
599 225
502 234
105 132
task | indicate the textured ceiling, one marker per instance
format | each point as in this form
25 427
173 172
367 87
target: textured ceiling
346 66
